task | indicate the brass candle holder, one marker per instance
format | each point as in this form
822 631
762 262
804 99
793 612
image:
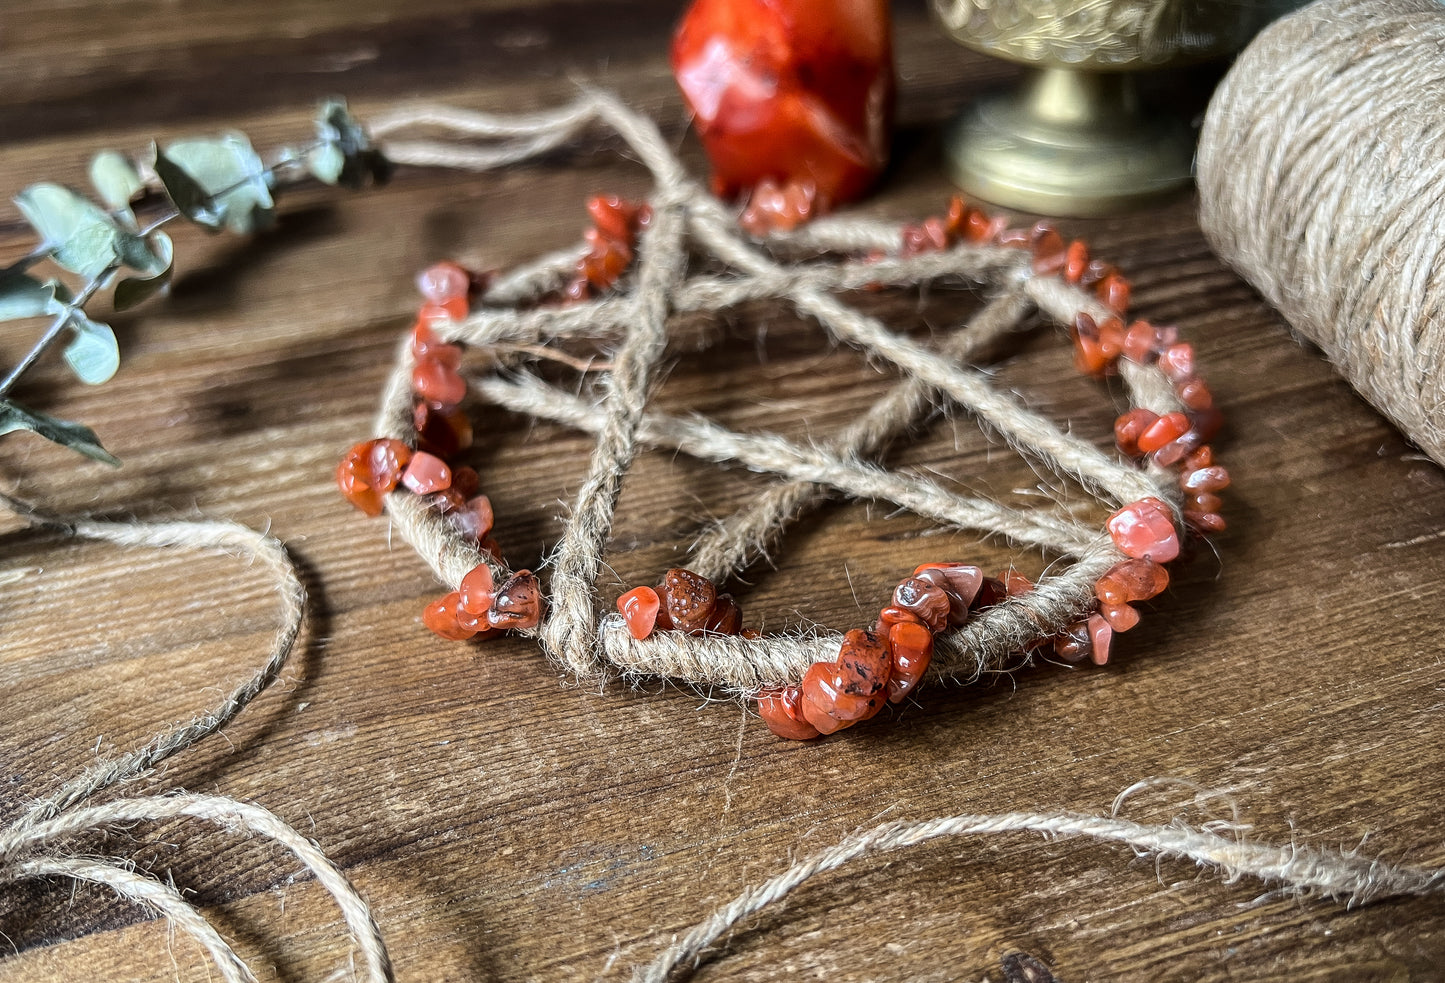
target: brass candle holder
1072 138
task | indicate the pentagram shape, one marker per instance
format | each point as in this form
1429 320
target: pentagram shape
692 258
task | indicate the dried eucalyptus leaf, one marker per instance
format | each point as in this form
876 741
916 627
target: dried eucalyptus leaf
192 200
325 163
24 296
82 237
115 179
225 181
143 255
335 126
135 290
93 354
76 436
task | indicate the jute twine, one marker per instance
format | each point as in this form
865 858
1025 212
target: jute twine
676 273
43 841
1322 181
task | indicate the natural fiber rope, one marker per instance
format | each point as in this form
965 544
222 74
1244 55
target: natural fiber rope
1322 181
802 269
35 843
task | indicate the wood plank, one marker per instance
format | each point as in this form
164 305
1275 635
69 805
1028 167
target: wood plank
508 825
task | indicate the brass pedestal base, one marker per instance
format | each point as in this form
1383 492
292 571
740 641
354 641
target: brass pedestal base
1068 143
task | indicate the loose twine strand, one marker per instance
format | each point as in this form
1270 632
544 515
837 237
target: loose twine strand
35 844
804 270
1322 181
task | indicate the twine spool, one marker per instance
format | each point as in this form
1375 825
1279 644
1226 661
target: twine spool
1322 182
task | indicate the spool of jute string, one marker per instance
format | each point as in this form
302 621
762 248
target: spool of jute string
1322 181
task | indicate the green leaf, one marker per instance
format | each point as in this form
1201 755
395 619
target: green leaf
76 436
84 238
92 354
24 296
186 193
137 289
326 162
115 180
218 181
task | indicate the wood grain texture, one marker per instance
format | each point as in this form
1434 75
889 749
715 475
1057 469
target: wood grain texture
509 827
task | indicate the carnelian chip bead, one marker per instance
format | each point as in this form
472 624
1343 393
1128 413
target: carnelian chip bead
1208 522
961 581
891 616
1100 636
1211 478
388 460
639 608
1131 580
991 592
688 598
1165 430
448 501
1144 530
726 617
782 711
826 703
1177 361
1139 343
614 218
1121 617
956 218
443 312
426 473
477 590
1074 643
1015 583
925 600
1203 457
474 519
442 431
864 663
443 281
441 617
979 228
1176 450
517 603
1096 270
1049 252
928 236
436 382
1194 393
353 478
1202 502
1129 427
1114 291
1076 261
911 646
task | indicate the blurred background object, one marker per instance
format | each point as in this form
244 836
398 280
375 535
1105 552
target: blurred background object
1073 138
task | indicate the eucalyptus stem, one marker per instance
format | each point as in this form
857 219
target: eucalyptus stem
57 326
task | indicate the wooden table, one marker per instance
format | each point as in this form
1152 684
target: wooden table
505 826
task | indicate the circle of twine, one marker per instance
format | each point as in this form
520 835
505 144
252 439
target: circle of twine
1321 180
807 270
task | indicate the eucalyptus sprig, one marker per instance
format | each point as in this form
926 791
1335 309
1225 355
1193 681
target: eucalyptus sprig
216 182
